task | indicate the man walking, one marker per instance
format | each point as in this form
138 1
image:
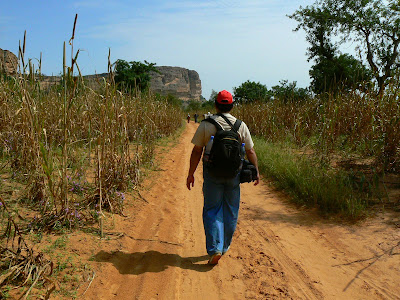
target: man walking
221 195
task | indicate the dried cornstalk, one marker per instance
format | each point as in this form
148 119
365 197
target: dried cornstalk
22 264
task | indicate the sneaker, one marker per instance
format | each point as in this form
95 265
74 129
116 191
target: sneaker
214 258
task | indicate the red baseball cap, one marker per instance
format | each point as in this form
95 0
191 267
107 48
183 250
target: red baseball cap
224 97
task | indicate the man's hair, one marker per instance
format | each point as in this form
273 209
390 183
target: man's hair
224 108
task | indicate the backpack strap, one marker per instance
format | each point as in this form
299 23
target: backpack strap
235 127
215 123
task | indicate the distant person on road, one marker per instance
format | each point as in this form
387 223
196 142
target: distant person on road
195 117
188 118
207 115
221 195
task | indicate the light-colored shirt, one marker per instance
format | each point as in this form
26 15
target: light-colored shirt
206 130
207 115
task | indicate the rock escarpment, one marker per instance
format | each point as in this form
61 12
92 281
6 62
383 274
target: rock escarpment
8 62
180 82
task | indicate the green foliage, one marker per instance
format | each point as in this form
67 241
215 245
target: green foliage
251 91
342 72
4 292
61 242
373 26
331 72
288 92
309 182
213 96
316 22
134 74
193 106
6 78
173 100
170 99
209 105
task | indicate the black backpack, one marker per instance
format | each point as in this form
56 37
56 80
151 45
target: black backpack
225 158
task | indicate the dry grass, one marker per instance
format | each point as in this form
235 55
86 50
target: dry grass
332 131
353 123
53 145
73 151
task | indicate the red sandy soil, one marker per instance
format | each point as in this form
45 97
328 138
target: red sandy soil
278 251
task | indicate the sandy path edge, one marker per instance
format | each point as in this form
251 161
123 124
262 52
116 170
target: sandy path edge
278 252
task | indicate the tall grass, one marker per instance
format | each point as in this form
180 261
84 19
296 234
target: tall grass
308 182
74 146
345 126
72 151
353 122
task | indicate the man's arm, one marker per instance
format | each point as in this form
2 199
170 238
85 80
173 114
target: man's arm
252 156
194 162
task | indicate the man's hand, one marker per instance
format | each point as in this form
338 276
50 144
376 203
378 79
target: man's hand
257 180
190 181
194 161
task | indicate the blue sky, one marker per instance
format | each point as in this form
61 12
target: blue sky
227 42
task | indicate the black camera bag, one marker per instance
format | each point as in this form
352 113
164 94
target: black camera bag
248 172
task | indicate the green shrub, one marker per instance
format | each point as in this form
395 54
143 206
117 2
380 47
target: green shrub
309 182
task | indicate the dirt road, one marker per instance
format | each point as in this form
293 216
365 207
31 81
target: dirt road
278 251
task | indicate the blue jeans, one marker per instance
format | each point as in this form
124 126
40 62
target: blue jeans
220 211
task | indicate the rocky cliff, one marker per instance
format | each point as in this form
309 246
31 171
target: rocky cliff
8 62
179 82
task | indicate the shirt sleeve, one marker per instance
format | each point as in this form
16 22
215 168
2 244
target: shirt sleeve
198 138
246 137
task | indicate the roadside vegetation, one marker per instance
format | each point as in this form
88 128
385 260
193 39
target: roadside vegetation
330 151
333 192
68 155
334 144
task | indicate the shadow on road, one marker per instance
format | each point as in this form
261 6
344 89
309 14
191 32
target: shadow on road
151 261
372 260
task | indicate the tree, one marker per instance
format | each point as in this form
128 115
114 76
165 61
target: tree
288 92
373 25
208 105
332 71
315 21
250 91
340 73
193 106
134 74
213 96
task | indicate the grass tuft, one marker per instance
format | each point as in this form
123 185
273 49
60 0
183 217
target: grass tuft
310 183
